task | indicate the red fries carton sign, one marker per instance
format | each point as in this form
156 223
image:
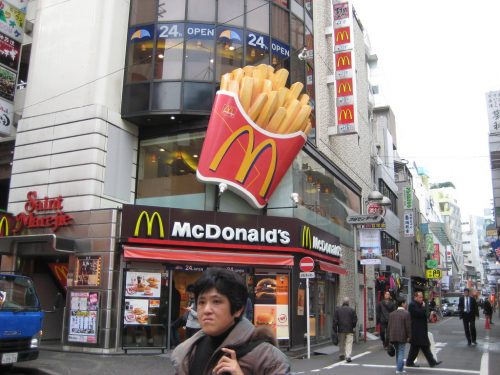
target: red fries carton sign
248 158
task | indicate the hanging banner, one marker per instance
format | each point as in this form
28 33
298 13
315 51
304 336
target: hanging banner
408 198
409 225
370 246
11 21
6 118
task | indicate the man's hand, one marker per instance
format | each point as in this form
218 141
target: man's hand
228 364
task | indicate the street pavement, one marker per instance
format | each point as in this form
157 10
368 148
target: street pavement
368 358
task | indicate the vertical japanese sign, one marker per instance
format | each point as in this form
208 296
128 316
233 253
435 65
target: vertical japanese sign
436 255
407 198
493 108
83 317
271 304
6 117
11 21
344 68
409 225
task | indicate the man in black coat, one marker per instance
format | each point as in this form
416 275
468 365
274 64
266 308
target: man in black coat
419 333
384 308
467 307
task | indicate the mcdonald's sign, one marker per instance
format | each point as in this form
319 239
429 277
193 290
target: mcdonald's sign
344 87
345 114
250 160
343 61
4 226
250 156
150 220
306 239
342 35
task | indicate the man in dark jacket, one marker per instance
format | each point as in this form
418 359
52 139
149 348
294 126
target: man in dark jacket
384 308
344 322
419 333
487 309
399 332
467 307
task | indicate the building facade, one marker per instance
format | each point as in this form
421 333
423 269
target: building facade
103 200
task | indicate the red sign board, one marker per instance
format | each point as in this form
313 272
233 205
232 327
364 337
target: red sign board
306 264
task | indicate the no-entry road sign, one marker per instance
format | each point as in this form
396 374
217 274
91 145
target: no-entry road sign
306 264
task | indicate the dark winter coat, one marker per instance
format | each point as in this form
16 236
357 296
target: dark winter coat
419 331
263 359
399 326
487 308
384 308
344 319
473 309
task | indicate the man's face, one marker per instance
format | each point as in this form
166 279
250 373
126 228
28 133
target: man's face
387 295
419 297
214 312
466 293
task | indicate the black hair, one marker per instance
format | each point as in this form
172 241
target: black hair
466 290
400 301
190 288
227 283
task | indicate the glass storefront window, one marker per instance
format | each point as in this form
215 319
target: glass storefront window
257 48
312 95
169 51
308 4
171 10
297 29
167 168
140 53
297 71
231 12
166 96
142 11
199 59
280 24
280 57
258 15
229 49
325 201
201 10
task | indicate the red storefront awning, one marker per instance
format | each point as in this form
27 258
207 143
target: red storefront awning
333 268
205 256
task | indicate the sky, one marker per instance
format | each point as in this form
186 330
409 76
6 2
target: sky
438 60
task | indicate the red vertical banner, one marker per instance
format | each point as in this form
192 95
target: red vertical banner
436 256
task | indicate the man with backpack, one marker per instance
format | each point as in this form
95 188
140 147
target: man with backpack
227 342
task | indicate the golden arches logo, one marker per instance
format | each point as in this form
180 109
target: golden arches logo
345 114
250 157
344 87
306 240
343 61
4 225
149 224
343 35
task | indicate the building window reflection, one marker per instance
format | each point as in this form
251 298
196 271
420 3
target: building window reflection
140 53
229 49
169 51
171 10
199 59
257 48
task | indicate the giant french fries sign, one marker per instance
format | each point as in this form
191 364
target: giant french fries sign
251 143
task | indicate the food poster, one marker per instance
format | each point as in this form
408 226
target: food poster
301 297
83 317
143 284
271 303
141 311
88 271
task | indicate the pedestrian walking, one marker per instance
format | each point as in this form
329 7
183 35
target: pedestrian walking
467 307
192 323
419 332
399 332
487 310
227 342
384 308
344 322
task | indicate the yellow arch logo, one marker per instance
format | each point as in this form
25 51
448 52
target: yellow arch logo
251 156
4 226
306 240
149 224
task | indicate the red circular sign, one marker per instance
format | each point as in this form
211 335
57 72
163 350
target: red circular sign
306 264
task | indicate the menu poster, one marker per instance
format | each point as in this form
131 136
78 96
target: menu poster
88 271
83 323
143 284
136 311
271 303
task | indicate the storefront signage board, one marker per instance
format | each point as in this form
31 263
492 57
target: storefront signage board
83 323
170 226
